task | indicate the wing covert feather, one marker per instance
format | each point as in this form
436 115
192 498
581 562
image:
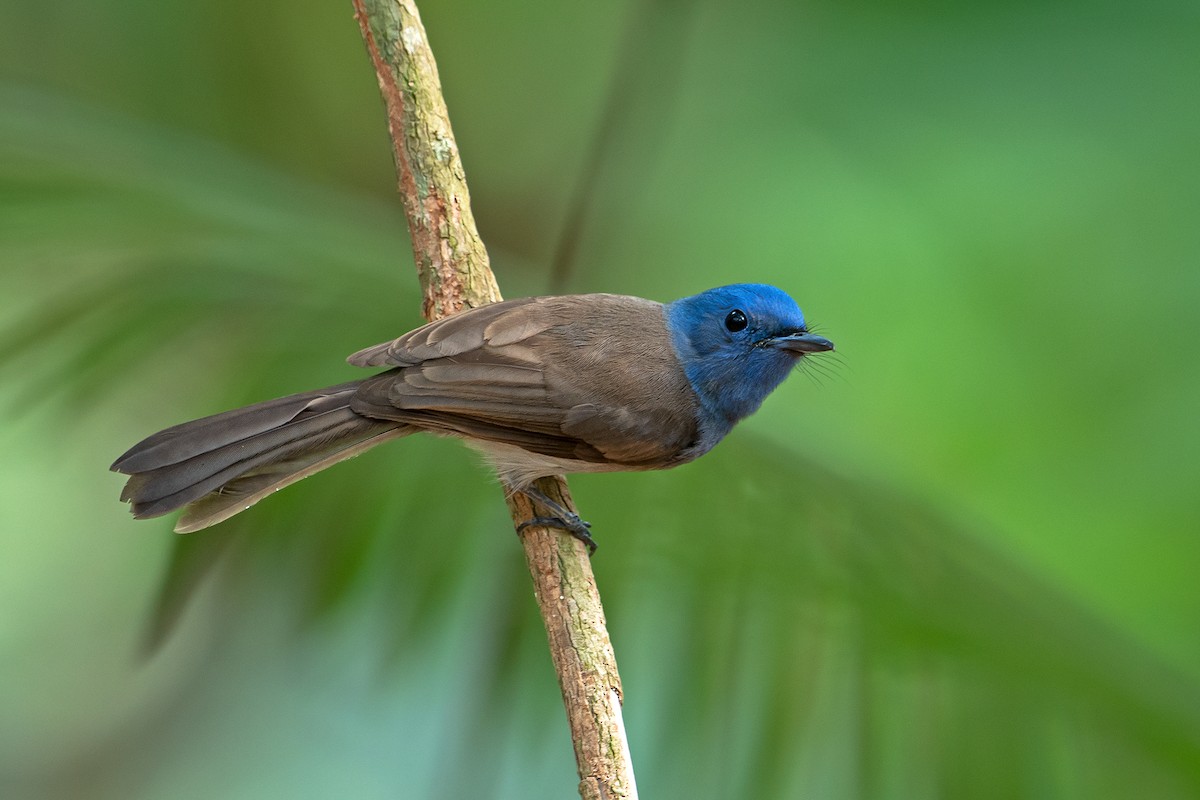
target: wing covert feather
506 322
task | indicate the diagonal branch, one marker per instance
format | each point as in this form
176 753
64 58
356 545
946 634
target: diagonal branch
453 268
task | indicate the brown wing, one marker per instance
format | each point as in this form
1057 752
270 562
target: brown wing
588 377
498 324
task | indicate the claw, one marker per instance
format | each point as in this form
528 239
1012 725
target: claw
576 527
562 519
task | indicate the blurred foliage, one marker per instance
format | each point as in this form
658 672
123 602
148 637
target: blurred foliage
960 562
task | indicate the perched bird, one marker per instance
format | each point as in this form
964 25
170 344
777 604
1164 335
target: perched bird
541 386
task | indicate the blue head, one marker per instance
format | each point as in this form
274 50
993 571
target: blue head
737 343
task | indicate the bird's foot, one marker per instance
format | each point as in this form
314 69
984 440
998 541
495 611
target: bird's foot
563 519
576 527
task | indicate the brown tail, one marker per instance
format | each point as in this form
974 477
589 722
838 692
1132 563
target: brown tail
220 465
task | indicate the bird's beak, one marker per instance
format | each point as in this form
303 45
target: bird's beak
802 343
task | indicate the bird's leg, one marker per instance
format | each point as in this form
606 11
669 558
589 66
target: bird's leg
562 519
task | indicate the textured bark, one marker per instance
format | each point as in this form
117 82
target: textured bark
451 261
583 655
454 271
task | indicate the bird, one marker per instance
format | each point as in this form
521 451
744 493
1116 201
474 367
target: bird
540 386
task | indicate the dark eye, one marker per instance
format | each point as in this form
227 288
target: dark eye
736 321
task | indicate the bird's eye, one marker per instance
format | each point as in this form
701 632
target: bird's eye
736 321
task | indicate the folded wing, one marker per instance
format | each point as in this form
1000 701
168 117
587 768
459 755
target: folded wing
591 378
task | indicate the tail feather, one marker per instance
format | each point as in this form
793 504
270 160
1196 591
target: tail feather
245 491
181 442
225 463
231 460
165 489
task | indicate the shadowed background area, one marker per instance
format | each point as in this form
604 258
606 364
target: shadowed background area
958 562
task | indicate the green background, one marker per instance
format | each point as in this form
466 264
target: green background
958 560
